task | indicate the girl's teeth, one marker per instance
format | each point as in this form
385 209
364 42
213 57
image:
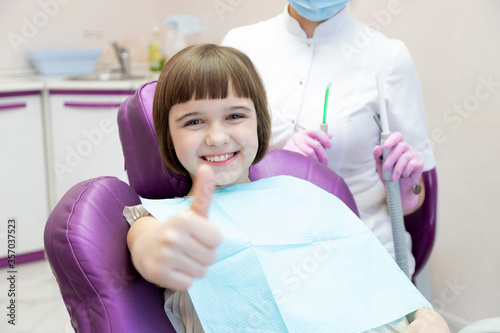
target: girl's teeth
220 158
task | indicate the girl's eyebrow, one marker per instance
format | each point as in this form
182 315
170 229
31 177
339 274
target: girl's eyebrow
188 115
239 107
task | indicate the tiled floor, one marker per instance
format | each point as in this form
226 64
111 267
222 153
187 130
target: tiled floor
39 305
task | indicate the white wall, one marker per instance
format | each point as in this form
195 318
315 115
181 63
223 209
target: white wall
455 48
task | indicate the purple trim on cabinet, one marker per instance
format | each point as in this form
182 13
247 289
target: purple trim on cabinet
91 105
92 92
12 106
23 258
19 93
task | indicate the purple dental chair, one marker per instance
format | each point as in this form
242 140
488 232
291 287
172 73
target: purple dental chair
85 235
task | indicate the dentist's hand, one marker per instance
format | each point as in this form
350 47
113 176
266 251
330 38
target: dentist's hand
310 143
406 162
174 253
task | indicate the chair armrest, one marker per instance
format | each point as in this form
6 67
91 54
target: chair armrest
85 243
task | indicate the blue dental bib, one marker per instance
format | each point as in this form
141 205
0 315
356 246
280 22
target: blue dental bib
294 258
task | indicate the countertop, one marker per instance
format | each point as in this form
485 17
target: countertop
30 83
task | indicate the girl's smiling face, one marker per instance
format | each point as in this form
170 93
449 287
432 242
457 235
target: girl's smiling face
219 132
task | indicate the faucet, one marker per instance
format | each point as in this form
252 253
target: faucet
123 57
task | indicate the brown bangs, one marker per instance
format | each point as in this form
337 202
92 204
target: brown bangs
206 74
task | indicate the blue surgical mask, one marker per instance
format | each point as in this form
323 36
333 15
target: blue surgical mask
318 10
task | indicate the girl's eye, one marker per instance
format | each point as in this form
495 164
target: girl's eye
193 122
235 116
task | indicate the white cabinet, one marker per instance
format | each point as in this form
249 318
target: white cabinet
83 137
23 185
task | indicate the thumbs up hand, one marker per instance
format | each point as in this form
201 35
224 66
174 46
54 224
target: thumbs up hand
174 253
202 190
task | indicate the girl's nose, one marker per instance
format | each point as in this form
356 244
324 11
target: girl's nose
217 135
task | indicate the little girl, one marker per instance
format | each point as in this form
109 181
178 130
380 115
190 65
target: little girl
229 247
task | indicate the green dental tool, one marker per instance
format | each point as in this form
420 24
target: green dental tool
324 124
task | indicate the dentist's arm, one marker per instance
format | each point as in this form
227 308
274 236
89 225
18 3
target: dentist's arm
173 253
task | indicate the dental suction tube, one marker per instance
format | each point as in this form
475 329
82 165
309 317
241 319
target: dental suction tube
393 193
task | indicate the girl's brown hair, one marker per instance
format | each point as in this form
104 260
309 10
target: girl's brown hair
205 72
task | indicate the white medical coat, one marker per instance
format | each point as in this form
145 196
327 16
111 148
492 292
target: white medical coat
296 70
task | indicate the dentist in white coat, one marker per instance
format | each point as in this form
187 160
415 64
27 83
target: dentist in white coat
298 53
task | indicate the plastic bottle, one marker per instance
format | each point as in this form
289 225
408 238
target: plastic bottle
156 60
174 41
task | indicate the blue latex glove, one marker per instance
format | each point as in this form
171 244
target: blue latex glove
406 162
310 143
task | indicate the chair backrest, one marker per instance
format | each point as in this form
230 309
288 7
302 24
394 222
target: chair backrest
85 235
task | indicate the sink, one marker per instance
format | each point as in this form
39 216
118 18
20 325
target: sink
108 77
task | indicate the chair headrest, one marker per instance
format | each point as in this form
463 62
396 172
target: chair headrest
147 175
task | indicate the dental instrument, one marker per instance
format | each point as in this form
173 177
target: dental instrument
324 125
416 187
393 193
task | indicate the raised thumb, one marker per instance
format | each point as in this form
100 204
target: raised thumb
203 188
